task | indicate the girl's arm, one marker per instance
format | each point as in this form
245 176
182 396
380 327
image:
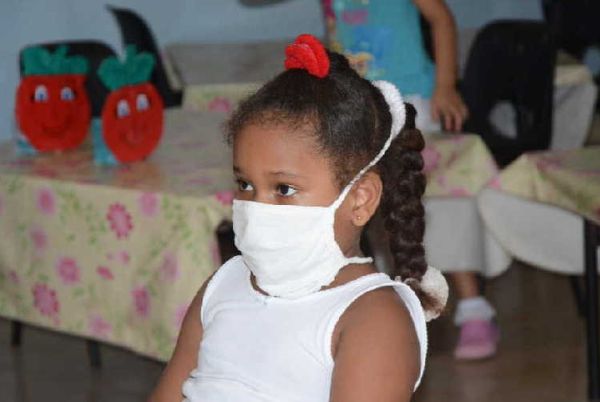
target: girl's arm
376 351
185 355
446 102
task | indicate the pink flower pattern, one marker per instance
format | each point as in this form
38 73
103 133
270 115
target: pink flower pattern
459 192
220 104
123 257
148 203
169 269
105 273
98 326
46 201
68 270
141 301
39 239
45 300
14 277
495 183
225 197
431 159
120 220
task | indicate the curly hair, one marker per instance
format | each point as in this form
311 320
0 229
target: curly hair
351 121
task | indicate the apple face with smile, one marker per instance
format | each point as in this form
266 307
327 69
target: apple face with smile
132 120
53 111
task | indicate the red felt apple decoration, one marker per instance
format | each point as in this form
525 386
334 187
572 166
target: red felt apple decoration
132 116
52 108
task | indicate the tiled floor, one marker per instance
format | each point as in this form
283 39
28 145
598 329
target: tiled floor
542 356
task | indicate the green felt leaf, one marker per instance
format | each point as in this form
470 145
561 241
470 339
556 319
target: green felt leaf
39 61
135 69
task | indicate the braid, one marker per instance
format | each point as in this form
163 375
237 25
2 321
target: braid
402 207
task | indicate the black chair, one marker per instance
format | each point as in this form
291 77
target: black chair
135 31
574 23
514 62
95 52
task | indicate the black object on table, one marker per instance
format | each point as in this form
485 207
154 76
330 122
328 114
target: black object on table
135 31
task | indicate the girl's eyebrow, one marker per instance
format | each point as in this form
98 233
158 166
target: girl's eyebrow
285 174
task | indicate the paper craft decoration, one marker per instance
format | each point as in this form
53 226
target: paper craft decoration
52 108
132 116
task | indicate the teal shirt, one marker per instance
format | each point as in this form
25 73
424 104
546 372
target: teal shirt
384 37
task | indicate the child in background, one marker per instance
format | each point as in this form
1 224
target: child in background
383 40
302 315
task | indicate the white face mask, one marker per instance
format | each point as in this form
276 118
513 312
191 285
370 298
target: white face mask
291 249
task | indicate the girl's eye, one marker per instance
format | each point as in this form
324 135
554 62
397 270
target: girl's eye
286 190
40 94
123 109
244 185
67 94
142 102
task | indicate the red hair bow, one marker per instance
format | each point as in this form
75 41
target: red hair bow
309 54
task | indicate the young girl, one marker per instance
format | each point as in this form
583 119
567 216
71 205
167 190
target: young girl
302 315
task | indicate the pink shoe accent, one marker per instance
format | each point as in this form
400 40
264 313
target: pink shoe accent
478 339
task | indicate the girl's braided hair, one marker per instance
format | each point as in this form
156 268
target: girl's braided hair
351 120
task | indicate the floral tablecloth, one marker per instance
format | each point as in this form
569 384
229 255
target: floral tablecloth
566 179
116 254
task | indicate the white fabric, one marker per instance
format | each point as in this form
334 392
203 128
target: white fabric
473 308
261 348
456 240
542 235
290 249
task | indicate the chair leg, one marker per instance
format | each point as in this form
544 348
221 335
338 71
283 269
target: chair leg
16 331
592 239
93 350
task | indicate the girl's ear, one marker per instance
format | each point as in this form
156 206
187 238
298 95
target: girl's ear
366 196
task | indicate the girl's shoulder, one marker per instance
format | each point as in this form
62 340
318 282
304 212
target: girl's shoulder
389 315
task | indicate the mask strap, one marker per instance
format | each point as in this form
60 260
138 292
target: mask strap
398 111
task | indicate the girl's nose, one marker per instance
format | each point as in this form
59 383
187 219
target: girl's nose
264 197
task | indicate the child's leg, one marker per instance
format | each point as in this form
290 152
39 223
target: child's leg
474 315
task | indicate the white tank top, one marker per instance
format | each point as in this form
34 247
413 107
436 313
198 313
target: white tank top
261 348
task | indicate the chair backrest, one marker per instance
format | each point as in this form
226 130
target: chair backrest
574 23
94 52
135 31
514 62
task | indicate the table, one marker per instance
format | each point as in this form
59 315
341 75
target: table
544 209
116 254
